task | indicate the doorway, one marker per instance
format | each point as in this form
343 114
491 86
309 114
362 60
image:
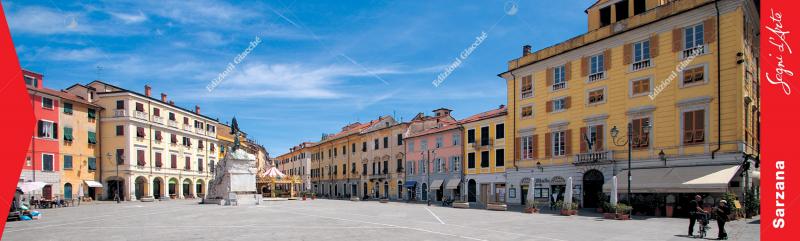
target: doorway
523 192
68 191
157 188
471 191
47 192
484 193
592 188
115 189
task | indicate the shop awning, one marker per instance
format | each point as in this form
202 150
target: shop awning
410 184
93 183
436 184
711 179
452 183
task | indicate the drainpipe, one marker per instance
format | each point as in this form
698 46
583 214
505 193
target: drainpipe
719 88
513 118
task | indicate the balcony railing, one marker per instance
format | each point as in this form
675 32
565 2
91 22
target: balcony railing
199 130
640 65
187 127
593 157
597 76
479 143
158 119
120 113
140 115
558 86
172 123
697 50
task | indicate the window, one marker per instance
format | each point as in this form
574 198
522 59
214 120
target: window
559 104
456 139
499 131
48 129
158 136
639 6
172 116
596 65
140 132
527 111
156 112
173 161
28 161
353 148
199 164
92 114
364 146
377 144
559 77
439 141
92 164
139 107
120 105
559 143
399 139
68 134
187 163
621 8
67 162
120 130
140 158
605 16
693 36
67 108
694 127
173 139
499 157
638 138
423 145
399 166
186 120
411 146
471 136
526 90
120 156
471 160
596 96
640 87
47 103
641 51
484 159
47 162
526 144
159 162
694 75
485 136
456 164
386 142
31 81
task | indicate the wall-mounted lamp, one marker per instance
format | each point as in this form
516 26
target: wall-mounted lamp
539 166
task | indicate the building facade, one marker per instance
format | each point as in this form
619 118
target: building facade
382 159
485 158
434 157
297 162
153 148
79 146
659 72
43 159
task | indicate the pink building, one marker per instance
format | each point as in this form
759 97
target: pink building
433 157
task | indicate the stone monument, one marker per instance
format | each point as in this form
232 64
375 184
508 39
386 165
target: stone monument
234 180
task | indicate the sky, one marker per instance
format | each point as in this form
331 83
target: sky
292 70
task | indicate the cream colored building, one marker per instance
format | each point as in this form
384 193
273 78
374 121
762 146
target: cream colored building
151 148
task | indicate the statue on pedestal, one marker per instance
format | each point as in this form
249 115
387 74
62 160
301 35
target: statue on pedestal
234 176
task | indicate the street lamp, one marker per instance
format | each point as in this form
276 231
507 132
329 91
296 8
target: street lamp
428 174
619 142
116 193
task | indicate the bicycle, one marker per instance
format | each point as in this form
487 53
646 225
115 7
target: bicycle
703 219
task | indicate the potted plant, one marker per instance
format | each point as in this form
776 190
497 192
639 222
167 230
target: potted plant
623 212
603 198
670 200
313 196
609 211
567 209
530 207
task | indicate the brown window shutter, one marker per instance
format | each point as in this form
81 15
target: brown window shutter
549 106
645 140
585 66
568 70
517 148
677 39
567 102
607 59
654 46
626 54
535 146
688 121
636 126
710 30
550 77
699 125
599 142
584 145
568 142
548 148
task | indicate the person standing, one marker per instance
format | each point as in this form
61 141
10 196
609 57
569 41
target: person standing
721 212
695 209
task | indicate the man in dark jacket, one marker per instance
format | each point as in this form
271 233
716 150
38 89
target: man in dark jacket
695 210
721 212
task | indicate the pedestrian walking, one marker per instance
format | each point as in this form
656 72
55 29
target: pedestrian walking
695 210
721 212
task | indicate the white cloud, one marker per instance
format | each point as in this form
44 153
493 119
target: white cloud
129 18
39 20
85 54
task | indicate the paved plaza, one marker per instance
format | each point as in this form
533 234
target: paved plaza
338 220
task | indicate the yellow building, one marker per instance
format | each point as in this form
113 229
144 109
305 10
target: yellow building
79 147
381 158
152 148
485 155
664 68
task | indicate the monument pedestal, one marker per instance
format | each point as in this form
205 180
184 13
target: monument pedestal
234 181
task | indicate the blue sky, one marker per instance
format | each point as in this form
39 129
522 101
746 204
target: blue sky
319 65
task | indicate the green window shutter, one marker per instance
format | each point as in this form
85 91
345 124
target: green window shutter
92 163
92 114
67 108
68 134
67 162
92 138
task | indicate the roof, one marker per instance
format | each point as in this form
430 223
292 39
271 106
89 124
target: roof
503 110
64 95
446 126
354 128
150 98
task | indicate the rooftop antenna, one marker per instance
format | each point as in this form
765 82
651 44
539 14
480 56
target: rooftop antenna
98 71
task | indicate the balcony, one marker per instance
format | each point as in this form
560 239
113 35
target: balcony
593 158
640 65
199 130
140 115
559 86
480 143
120 113
597 76
158 119
694 51
187 127
172 123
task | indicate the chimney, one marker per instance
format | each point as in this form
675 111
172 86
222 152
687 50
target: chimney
163 97
171 102
147 90
501 106
526 50
197 109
